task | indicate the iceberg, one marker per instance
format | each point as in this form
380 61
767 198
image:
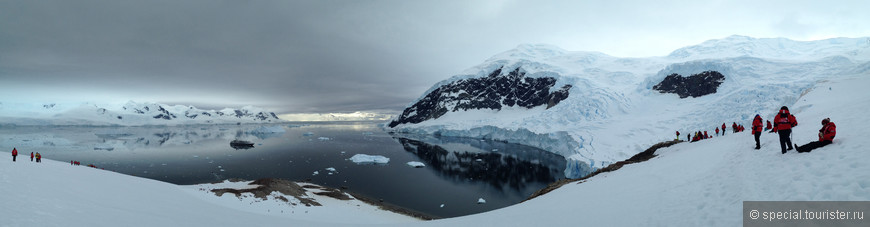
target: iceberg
416 164
369 159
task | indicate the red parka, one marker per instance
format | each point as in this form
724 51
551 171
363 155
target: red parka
828 132
784 121
756 125
14 152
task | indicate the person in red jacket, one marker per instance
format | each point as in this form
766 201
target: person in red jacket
31 156
826 136
769 126
723 129
717 131
705 135
756 130
678 135
14 153
782 123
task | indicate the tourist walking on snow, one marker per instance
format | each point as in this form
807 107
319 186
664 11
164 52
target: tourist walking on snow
723 129
782 123
717 131
826 136
38 157
31 156
756 130
14 154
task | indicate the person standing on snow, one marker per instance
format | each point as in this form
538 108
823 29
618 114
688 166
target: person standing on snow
678 135
14 153
38 157
756 130
31 156
717 131
723 129
782 123
769 127
826 136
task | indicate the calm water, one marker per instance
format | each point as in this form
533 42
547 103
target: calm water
458 171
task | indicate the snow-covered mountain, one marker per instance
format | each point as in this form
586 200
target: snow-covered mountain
616 107
127 114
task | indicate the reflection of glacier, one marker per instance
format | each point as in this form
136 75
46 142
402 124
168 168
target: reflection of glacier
499 164
131 138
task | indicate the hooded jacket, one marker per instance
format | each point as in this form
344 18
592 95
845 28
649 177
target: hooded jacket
784 120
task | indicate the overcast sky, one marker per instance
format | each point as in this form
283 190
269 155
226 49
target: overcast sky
345 56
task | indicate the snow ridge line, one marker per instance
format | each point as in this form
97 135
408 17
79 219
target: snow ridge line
646 155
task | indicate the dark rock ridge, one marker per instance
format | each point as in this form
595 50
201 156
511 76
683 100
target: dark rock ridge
491 92
696 85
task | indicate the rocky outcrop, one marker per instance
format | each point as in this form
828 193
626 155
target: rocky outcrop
492 92
696 85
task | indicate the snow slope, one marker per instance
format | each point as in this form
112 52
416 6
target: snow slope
611 99
704 183
127 114
57 194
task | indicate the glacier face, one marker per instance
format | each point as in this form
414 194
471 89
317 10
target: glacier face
613 111
128 114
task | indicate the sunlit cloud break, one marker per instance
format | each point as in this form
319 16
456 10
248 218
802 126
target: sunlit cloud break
355 116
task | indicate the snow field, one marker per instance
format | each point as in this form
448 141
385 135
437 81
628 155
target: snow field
55 193
704 183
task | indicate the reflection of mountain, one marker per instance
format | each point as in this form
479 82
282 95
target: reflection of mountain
131 138
137 137
461 159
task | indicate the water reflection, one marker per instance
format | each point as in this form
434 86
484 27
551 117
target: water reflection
498 164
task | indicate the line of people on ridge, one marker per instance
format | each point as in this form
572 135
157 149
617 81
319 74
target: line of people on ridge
782 124
701 135
37 155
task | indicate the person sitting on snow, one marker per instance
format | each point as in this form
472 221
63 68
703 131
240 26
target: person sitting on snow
826 136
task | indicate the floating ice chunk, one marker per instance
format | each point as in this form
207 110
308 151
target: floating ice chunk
478 160
481 201
330 169
369 159
315 173
494 149
442 205
308 134
416 164
323 138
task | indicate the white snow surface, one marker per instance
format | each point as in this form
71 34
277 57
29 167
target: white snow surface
612 112
54 193
369 159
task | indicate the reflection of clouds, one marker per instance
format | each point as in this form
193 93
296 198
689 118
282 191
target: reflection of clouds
460 159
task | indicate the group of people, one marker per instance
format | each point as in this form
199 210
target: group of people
782 124
15 155
784 121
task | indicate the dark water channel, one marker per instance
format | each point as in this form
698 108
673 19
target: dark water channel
458 171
